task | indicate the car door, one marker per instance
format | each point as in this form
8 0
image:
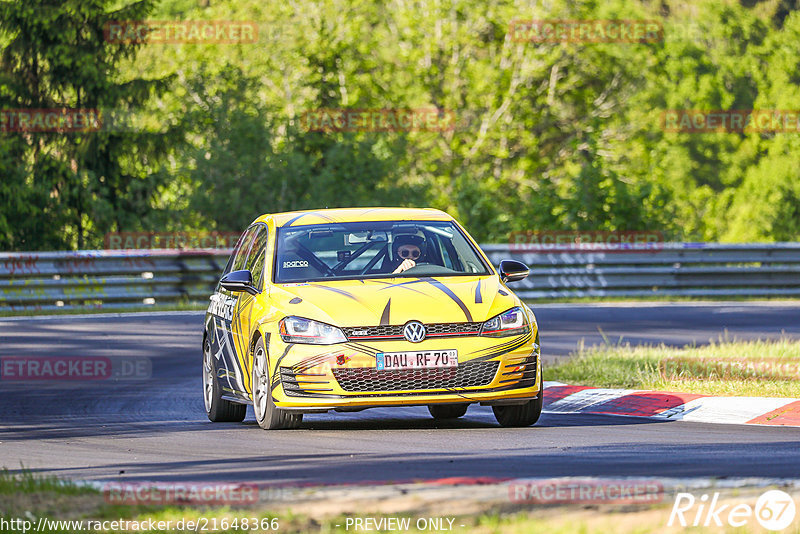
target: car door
246 309
223 311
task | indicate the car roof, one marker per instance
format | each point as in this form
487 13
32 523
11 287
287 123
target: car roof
339 215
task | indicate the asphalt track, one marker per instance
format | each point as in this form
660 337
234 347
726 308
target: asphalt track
156 429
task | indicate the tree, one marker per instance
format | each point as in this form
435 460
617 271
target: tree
80 184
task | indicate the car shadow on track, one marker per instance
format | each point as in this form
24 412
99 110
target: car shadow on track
388 420
718 459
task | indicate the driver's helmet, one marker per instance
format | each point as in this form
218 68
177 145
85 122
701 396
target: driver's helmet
408 247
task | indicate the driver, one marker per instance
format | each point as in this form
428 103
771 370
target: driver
408 249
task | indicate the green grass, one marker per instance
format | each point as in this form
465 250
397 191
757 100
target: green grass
31 496
739 368
26 482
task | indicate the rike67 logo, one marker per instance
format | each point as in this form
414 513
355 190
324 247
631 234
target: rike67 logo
774 510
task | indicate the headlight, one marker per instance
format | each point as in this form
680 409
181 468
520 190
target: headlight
300 330
508 323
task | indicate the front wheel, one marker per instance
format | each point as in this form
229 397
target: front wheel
268 416
217 409
522 414
447 411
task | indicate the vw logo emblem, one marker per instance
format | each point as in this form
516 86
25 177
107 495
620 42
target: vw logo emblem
414 331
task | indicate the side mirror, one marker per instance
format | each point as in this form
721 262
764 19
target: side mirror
513 271
238 281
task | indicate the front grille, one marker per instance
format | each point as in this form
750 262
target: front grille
359 379
396 331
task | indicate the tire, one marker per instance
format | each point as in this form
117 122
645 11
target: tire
447 411
218 409
523 414
268 416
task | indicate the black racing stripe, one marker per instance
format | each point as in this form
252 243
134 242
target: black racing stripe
311 362
498 351
285 352
366 349
401 284
447 291
316 359
305 365
339 291
521 340
514 341
293 219
370 210
478 297
385 315
404 285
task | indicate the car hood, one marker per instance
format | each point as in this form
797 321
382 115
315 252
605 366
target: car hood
395 301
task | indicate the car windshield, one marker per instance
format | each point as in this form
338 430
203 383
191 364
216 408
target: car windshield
374 250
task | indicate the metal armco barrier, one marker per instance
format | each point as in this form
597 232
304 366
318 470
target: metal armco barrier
668 269
107 278
122 278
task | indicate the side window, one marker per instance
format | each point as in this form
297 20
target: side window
244 248
255 260
236 248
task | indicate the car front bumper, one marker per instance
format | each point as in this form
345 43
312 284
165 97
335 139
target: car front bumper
490 370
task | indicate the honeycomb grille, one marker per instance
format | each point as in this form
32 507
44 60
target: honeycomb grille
359 379
396 331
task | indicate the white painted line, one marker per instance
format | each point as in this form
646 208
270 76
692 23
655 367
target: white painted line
725 410
722 410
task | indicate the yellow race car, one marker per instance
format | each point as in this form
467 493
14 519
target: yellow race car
347 309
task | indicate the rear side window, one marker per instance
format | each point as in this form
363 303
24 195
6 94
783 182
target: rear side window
229 265
255 260
239 261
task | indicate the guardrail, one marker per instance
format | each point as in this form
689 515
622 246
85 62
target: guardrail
669 269
122 278
108 278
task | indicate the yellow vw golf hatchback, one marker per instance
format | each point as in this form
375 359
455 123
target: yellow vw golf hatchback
347 309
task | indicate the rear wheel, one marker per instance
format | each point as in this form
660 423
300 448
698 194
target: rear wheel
447 411
521 414
218 409
268 416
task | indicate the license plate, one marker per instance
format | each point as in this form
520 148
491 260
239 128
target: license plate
427 359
